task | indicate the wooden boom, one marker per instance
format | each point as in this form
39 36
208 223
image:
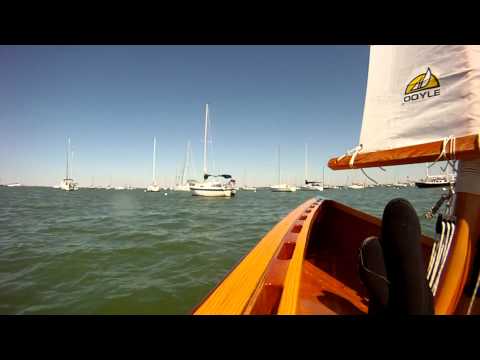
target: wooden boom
466 148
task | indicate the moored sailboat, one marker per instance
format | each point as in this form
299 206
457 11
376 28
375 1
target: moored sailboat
184 184
311 185
154 187
279 187
68 184
327 258
212 185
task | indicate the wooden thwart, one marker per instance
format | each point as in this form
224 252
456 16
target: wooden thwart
466 148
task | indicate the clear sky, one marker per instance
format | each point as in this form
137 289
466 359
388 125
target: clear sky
112 100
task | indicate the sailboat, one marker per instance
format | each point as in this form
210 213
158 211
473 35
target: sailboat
311 185
246 187
212 185
153 187
184 184
328 258
68 184
281 187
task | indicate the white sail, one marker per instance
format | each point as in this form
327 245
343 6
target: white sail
420 94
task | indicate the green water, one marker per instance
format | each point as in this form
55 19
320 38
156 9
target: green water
131 252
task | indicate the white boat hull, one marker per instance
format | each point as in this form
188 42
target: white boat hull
283 188
153 188
68 185
311 188
182 188
356 187
212 192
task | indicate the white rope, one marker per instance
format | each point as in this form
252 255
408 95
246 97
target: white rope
353 152
443 154
437 256
433 255
434 280
445 254
448 242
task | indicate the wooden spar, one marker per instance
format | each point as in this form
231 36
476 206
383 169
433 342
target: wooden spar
466 148
459 262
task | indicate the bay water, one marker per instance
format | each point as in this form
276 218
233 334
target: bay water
130 252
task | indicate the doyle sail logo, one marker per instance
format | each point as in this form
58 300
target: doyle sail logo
423 86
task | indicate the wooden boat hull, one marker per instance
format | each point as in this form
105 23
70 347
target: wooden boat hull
307 264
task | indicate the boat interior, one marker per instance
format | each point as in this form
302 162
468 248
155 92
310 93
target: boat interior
329 280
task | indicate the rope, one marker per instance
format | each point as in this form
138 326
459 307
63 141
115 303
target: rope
445 253
353 152
439 261
433 256
472 300
368 177
443 153
437 256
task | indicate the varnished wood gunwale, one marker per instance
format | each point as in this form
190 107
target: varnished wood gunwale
233 293
466 148
276 277
450 297
287 278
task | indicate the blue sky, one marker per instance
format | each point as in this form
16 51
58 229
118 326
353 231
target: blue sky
112 100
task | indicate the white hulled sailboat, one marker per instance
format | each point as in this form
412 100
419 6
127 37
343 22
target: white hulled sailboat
184 184
311 185
212 185
68 184
281 187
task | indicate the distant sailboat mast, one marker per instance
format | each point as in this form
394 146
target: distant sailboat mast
68 151
154 158
187 163
205 142
278 164
71 165
306 162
